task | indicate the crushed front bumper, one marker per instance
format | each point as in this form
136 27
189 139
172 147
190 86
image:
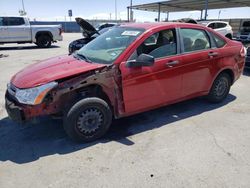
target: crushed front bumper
14 112
22 113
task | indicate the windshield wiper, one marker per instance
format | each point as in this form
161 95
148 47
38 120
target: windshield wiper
81 56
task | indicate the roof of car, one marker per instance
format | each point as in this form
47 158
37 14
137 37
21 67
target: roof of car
214 21
148 26
13 16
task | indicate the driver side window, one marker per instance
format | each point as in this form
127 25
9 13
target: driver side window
158 45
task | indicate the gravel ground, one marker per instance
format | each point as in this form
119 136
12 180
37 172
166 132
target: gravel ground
189 144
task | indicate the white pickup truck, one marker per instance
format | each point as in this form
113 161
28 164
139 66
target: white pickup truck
17 29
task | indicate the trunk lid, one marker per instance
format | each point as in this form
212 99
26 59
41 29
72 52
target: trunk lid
88 29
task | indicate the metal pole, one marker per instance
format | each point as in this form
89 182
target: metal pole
23 6
131 13
167 16
159 12
201 14
219 14
206 7
115 10
128 13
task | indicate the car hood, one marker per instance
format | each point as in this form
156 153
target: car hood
50 70
87 28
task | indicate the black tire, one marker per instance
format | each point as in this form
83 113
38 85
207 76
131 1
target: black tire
220 88
88 119
44 41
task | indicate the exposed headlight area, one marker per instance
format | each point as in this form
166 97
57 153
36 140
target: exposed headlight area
31 96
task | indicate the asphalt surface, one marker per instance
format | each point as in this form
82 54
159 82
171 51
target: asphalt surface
189 144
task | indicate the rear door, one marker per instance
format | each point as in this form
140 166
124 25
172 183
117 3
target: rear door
148 87
3 30
18 30
199 58
221 28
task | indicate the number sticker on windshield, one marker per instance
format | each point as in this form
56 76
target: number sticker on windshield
130 33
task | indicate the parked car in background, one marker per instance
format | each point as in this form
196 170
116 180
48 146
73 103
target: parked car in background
89 33
129 69
219 26
187 20
18 30
247 65
244 33
105 25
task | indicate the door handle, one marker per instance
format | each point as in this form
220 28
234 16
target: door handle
213 54
172 63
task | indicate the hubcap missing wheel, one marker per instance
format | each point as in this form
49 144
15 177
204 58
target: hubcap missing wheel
89 120
221 87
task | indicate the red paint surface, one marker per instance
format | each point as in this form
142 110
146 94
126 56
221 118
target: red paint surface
146 88
50 70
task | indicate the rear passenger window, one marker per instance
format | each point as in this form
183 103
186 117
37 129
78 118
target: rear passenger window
3 21
220 25
218 40
212 26
194 40
12 21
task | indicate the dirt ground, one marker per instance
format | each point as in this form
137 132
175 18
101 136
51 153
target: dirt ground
189 144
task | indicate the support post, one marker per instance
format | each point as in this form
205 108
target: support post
167 16
206 7
201 14
159 12
131 11
128 13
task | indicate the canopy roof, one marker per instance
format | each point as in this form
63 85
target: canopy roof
190 5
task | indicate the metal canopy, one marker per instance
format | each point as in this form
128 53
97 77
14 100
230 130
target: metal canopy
190 5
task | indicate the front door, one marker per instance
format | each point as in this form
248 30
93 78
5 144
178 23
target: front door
18 30
148 87
3 30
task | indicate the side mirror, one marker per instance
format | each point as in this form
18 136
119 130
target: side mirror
141 60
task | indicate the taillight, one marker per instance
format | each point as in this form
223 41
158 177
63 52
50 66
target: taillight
60 31
243 52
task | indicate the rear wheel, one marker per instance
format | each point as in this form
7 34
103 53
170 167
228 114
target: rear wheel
43 41
220 88
88 119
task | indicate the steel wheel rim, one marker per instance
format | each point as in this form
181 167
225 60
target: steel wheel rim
89 121
221 87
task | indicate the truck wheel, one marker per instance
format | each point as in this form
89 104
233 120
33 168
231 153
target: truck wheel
220 88
43 41
88 119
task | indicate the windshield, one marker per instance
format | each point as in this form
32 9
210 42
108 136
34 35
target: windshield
106 48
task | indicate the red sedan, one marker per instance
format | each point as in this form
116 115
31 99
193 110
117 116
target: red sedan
130 69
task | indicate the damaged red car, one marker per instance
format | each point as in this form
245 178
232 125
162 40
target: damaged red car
130 69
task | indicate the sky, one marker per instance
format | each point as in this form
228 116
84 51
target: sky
57 10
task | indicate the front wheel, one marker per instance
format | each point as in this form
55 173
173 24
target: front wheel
88 119
220 88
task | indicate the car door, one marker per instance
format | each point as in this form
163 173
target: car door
3 30
148 87
18 30
199 58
